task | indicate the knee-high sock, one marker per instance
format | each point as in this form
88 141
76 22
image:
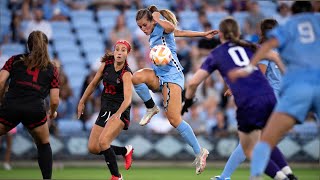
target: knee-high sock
236 158
188 135
278 157
119 150
110 158
260 158
45 160
271 169
143 91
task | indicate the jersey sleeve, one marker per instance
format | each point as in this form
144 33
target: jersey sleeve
55 79
210 64
159 30
8 65
281 34
264 62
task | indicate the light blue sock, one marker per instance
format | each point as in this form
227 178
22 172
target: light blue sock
143 91
260 158
188 135
236 158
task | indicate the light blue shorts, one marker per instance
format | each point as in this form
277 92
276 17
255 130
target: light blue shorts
299 94
177 78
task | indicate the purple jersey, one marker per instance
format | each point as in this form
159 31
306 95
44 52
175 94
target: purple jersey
229 56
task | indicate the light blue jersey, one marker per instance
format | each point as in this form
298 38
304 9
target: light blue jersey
273 75
157 37
299 43
299 48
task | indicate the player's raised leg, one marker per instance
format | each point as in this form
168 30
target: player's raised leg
143 80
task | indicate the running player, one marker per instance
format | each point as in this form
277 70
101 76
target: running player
253 108
273 75
298 42
114 115
169 79
32 77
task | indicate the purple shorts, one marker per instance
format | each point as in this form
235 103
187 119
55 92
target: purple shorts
255 113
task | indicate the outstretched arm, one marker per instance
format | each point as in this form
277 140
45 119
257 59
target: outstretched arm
89 90
193 84
191 89
187 33
264 52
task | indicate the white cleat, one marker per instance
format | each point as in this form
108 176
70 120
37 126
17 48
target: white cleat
150 113
200 161
7 166
219 178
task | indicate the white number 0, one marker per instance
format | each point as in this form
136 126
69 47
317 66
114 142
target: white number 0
235 57
306 32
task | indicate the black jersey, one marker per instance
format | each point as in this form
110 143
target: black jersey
29 85
113 83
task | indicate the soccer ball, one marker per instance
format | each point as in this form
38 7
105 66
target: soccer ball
160 55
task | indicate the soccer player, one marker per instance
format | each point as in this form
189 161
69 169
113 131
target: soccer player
169 79
273 75
114 115
298 41
32 77
253 108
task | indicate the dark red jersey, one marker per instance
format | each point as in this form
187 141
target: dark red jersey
113 84
29 85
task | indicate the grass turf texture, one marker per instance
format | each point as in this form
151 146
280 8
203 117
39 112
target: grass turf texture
141 173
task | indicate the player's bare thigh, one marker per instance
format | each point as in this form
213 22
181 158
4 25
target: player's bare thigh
172 102
93 144
248 141
40 134
148 77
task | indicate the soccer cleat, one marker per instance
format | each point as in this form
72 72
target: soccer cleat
218 178
292 177
116 178
128 157
7 166
200 161
147 117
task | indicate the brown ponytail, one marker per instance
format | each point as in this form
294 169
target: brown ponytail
167 14
39 56
265 26
230 29
107 56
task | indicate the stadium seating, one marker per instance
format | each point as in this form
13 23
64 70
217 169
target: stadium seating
13 49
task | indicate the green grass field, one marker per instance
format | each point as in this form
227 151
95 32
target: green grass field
141 173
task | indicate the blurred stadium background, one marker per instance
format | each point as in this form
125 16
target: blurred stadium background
80 31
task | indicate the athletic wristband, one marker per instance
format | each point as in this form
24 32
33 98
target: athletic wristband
249 68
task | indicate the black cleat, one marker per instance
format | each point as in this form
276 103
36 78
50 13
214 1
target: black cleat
292 177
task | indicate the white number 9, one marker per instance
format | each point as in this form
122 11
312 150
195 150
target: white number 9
306 32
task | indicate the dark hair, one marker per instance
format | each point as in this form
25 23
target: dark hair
230 29
164 12
38 56
265 26
107 56
301 6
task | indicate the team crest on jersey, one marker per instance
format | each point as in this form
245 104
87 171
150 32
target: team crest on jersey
118 80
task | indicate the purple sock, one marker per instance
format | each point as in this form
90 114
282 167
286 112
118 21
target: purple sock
272 169
278 158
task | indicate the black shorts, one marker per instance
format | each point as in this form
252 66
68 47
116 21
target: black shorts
12 115
107 112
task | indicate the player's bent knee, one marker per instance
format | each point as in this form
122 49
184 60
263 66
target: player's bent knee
104 143
94 149
137 78
174 121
